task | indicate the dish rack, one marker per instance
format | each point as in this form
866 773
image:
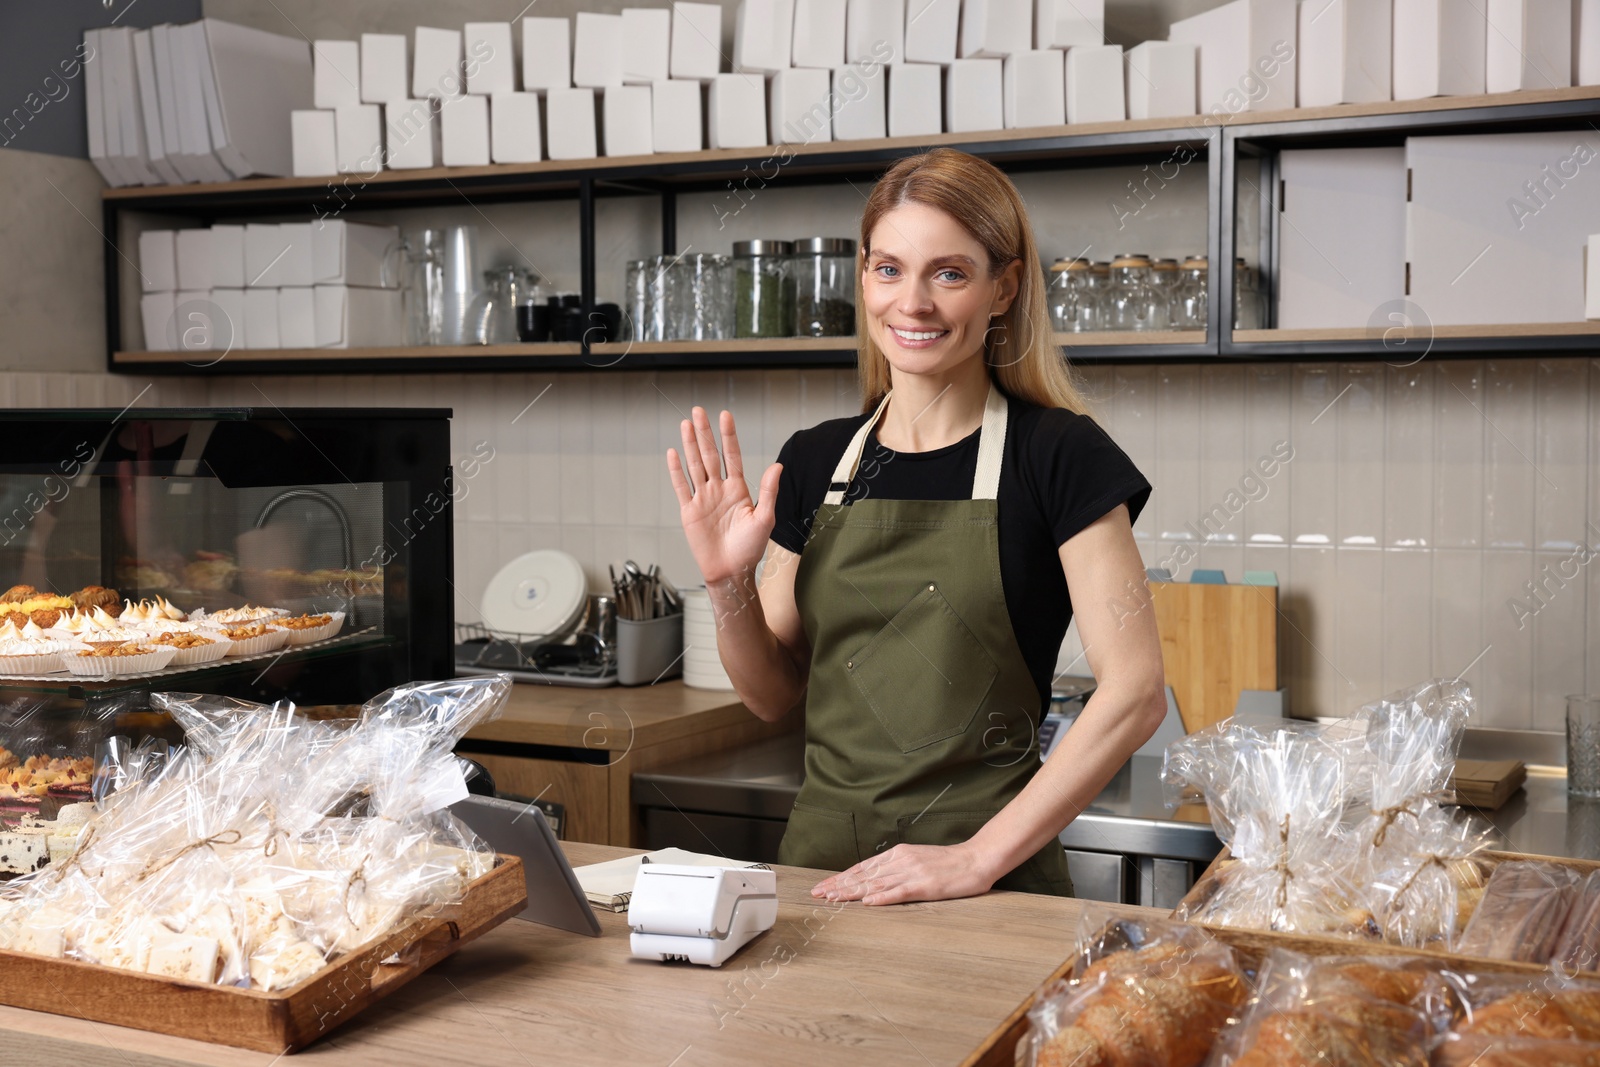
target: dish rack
581 655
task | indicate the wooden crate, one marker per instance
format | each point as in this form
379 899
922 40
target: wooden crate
280 1022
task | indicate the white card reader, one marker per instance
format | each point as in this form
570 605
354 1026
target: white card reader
699 914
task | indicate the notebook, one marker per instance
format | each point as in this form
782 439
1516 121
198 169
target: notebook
609 885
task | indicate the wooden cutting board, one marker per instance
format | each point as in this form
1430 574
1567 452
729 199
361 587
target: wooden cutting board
1216 640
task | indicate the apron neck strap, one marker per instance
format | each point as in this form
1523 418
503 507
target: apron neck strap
991 448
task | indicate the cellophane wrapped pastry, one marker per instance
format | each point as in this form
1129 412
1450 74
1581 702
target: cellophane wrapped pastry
1578 947
1523 912
1508 1020
267 846
1144 993
1425 893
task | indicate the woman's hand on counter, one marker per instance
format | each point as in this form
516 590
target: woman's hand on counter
911 872
727 532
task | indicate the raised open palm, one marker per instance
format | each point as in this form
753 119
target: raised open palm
727 532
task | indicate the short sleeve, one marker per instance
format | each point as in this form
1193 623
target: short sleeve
791 526
1081 474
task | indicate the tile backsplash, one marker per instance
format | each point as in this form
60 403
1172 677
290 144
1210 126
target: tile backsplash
1431 520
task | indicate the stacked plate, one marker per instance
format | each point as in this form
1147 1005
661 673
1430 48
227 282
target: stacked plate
702 666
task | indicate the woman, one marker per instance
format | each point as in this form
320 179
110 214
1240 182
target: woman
916 583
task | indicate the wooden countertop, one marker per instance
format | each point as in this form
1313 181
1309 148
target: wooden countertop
613 718
913 984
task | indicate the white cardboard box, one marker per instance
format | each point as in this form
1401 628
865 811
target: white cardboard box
1441 45
763 35
1591 278
1586 42
570 124
411 134
1067 23
627 120
1245 57
1034 89
1342 251
294 240
914 99
297 317
696 41
675 116
263 255
315 143
994 29
464 131
646 44
736 111
435 65
347 317
227 320
819 33
932 29
355 253
335 73
799 111
358 138
597 51
973 92
192 321
158 261
859 103
546 54
260 318
514 131
1094 84
874 31
491 64
155 315
194 259
1344 54
227 257
383 72
1529 45
1160 80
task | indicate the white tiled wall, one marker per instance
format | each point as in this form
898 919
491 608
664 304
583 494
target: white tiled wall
1418 503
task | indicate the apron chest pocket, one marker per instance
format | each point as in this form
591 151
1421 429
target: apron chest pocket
924 674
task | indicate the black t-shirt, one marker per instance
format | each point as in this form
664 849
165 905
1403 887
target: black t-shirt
1059 474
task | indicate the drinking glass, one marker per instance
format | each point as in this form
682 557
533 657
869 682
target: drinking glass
1583 745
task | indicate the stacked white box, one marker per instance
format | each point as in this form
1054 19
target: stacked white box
1245 57
383 73
1035 89
335 73
315 143
627 121
155 314
1094 84
914 99
194 259
158 261
569 124
261 318
819 33
736 111
191 320
597 52
1342 237
1586 42
514 133
859 99
646 44
354 253
297 317
436 65
994 29
763 36
227 319
1066 23
675 113
227 257
411 134
263 255
294 239
346 317
973 95
1160 80
799 110
546 54
875 31
464 131
1344 52
491 65
696 41
358 138
932 30
1440 48
1529 45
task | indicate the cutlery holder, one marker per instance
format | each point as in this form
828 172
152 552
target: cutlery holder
649 650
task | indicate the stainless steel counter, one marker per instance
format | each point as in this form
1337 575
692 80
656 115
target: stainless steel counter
1542 820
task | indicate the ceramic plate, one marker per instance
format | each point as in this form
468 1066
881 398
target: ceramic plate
539 594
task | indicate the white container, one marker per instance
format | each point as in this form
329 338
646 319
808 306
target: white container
194 259
932 30
874 31
914 99
158 261
155 315
411 134
263 255
702 664
1439 48
491 66
297 317
627 120
191 325
763 35
819 33
736 111
994 29
696 41
261 318
676 116
383 68
1342 246
358 138
799 112
1529 45
355 253
347 317
314 144
1586 42
294 245
973 92
1034 88
570 124
227 322
1068 23
227 257
646 44
1094 84
1591 278
860 101
1245 55
436 64
464 131
546 54
1160 80
1344 53
335 73
597 51
514 130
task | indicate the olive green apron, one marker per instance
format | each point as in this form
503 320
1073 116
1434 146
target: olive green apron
921 714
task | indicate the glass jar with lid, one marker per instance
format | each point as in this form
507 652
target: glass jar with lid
1190 300
824 270
763 288
1132 302
699 297
1074 301
1164 277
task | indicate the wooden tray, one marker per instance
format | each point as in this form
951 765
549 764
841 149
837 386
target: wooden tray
280 1022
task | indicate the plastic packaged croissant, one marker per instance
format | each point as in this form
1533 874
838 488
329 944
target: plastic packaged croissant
1506 1020
1523 913
1427 886
268 845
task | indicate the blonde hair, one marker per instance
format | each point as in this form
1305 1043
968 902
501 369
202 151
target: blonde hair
1023 358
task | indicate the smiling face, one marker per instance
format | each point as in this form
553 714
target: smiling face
928 291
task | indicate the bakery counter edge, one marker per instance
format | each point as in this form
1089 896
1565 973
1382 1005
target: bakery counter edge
612 718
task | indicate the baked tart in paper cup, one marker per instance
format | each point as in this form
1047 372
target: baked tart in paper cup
237 616
34 657
193 648
305 629
251 638
105 661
